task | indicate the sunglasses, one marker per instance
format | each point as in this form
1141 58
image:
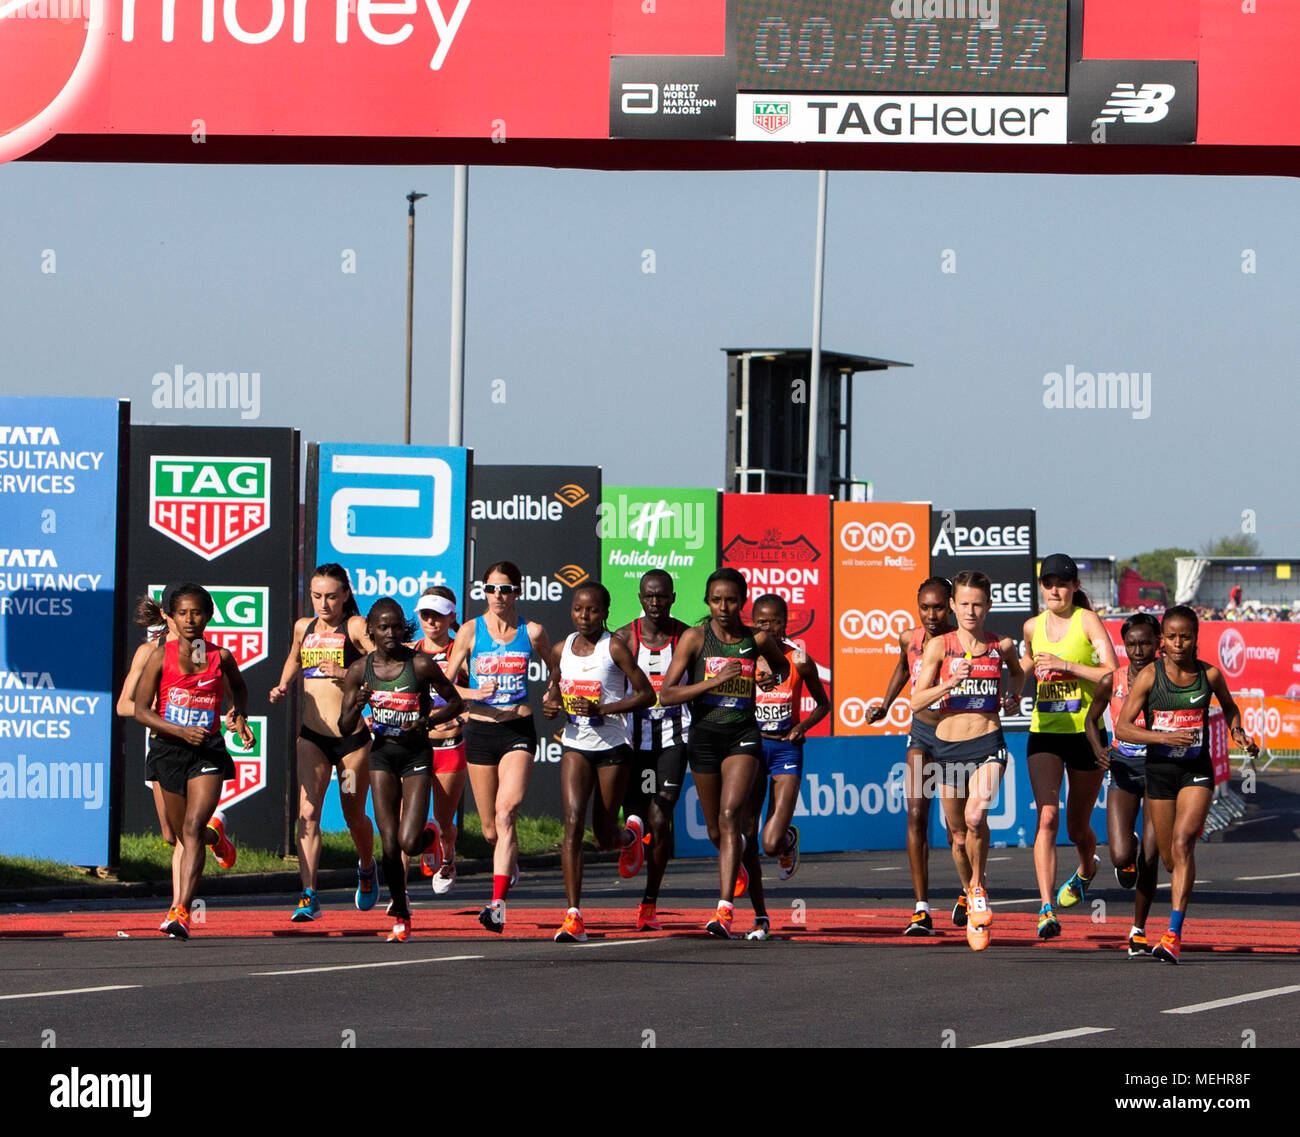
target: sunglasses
504 589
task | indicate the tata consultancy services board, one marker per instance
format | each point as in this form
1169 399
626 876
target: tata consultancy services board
59 481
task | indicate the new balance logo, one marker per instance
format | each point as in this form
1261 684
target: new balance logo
1141 106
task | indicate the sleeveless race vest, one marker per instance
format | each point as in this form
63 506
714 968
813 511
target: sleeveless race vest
1170 707
658 726
1061 700
777 710
191 700
597 677
320 646
1119 692
506 663
982 689
733 701
440 656
915 653
395 704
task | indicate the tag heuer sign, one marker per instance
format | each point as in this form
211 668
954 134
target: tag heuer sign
771 116
209 505
250 765
239 621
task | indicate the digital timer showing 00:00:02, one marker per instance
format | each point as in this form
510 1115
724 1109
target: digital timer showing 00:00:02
929 46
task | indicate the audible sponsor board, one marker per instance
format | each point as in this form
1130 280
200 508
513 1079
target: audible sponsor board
880 560
545 520
780 543
218 506
675 530
60 487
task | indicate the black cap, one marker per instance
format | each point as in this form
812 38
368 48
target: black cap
1058 564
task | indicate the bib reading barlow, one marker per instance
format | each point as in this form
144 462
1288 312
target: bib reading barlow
209 505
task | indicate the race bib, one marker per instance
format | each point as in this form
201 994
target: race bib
774 709
571 690
1185 718
1059 695
191 708
318 648
394 713
660 712
737 691
511 674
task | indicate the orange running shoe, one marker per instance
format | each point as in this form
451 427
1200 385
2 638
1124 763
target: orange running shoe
646 920
1167 949
401 931
720 925
178 923
978 911
223 846
572 931
632 856
977 936
431 858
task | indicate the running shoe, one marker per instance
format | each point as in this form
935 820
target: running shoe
1138 945
921 925
444 878
1127 876
646 920
978 911
1076 888
178 926
431 858
1167 949
977 935
720 925
401 931
959 912
632 856
761 930
367 886
223 846
742 876
308 907
572 931
493 917
788 863
166 920
1048 925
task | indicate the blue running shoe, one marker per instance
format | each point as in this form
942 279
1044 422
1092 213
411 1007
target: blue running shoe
308 907
367 886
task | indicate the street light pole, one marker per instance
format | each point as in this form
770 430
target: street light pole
411 198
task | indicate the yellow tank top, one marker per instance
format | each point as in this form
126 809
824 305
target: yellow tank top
1061 700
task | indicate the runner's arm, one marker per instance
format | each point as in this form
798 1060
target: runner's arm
126 700
673 692
1092 723
1228 705
355 696
426 671
896 682
807 668
923 693
643 695
237 718
293 664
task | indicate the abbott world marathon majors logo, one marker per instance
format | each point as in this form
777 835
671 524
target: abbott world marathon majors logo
209 505
50 51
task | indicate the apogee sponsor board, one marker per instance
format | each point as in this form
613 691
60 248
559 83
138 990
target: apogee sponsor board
219 506
675 530
780 543
59 496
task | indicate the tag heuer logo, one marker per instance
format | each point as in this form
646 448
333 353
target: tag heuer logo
209 505
250 765
239 621
771 116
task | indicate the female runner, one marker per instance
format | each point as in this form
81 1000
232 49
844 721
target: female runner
323 649
725 747
590 674
963 671
1171 698
500 736
395 681
933 609
187 755
1070 652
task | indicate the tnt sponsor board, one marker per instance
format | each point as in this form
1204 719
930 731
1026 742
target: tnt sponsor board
545 520
62 485
218 506
393 516
675 530
780 543
880 559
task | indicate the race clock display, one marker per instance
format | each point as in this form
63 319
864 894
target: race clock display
985 47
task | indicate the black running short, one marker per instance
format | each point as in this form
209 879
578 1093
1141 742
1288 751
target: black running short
1166 776
1128 774
1073 749
404 761
486 743
653 772
172 763
711 743
922 737
333 747
960 760
613 756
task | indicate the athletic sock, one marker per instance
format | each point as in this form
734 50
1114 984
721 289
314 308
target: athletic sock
651 900
726 904
1136 931
922 906
1176 922
500 886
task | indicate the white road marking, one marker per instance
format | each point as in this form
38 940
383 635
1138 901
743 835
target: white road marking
1275 876
362 966
1195 1008
1029 900
992 859
612 943
889 868
1034 1039
75 991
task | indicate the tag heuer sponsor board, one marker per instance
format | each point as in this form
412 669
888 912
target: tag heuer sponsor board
209 505
771 116
250 765
239 620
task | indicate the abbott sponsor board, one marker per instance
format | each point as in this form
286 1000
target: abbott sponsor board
62 488
780 543
880 559
219 506
393 516
675 530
